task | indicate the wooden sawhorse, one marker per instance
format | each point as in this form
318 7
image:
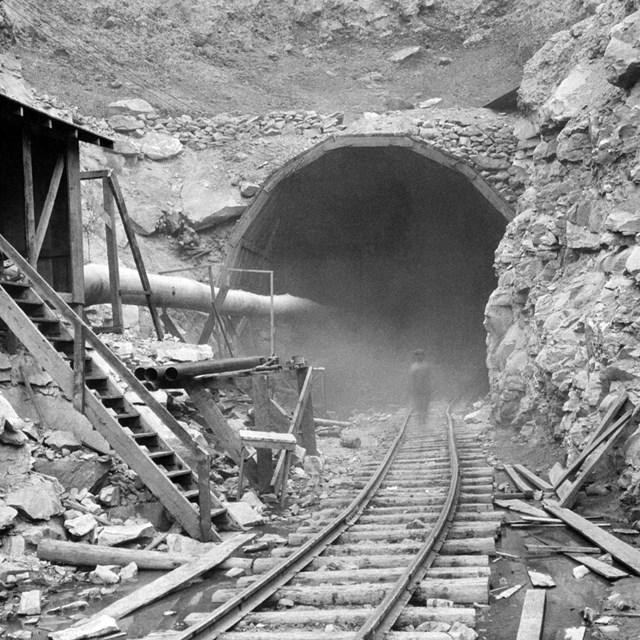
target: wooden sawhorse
266 440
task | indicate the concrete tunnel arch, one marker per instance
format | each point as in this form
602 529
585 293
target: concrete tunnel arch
396 235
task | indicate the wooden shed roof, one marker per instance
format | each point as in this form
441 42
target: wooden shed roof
10 108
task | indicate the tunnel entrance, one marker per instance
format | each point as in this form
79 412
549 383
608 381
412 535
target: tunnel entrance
398 238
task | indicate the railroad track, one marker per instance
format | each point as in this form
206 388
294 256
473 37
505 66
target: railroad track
407 546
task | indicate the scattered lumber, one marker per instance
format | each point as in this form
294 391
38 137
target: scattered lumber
519 482
558 548
562 488
608 417
621 551
176 578
532 478
509 592
532 617
599 567
588 459
90 555
521 507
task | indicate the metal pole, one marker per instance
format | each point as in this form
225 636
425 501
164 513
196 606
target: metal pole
273 325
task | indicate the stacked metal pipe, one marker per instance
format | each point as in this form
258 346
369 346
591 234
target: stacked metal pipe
175 375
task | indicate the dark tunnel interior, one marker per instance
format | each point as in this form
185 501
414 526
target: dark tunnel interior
402 247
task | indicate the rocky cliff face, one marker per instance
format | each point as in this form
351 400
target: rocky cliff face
564 323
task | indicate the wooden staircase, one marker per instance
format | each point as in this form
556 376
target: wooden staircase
51 341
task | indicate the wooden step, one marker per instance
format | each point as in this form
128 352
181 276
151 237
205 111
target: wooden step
169 486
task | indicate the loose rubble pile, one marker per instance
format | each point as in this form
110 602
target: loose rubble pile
562 324
56 488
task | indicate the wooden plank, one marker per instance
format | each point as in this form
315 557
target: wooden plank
170 325
608 417
112 255
260 397
75 220
214 308
98 173
307 426
204 494
599 567
226 437
268 439
519 483
532 478
591 462
554 474
532 617
78 368
47 209
586 452
29 203
521 507
209 324
178 577
135 250
621 551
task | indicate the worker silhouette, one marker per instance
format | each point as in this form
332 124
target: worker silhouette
420 385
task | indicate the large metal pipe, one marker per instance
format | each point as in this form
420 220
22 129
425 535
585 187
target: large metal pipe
179 372
184 293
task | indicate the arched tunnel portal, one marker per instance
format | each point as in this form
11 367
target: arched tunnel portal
398 238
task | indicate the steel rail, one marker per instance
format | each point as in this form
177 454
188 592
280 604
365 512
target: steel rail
235 609
388 611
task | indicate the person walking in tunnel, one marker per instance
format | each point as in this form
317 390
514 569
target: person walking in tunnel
420 385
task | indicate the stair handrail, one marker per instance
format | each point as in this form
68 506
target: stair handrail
51 296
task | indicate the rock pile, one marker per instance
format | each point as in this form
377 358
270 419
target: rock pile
563 323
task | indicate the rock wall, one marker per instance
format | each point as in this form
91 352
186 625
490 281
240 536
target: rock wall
563 325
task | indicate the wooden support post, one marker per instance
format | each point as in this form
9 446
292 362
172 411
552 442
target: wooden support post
47 209
75 223
260 397
285 478
112 255
307 437
214 309
320 390
77 268
170 325
204 494
135 250
29 204
78 367
226 438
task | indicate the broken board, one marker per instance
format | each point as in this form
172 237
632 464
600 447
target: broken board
519 482
176 578
532 617
599 567
621 551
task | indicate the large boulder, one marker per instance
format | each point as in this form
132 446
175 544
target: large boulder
160 146
125 124
79 473
622 55
130 107
583 85
38 498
